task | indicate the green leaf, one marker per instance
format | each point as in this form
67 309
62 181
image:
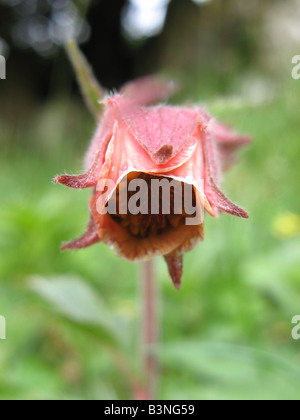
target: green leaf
91 90
226 371
276 274
79 303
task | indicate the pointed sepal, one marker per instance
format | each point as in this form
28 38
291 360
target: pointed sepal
175 267
212 169
90 237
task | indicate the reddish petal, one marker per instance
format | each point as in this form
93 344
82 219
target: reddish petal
90 237
161 131
147 90
175 266
192 172
223 133
124 155
101 138
227 142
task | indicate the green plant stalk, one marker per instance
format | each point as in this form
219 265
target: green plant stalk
92 92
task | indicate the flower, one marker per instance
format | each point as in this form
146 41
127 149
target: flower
147 144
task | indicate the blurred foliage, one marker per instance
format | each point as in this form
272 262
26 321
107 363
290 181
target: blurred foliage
68 313
73 318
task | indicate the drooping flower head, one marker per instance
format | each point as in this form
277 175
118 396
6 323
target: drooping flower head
144 154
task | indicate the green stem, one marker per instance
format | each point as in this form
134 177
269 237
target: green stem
91 90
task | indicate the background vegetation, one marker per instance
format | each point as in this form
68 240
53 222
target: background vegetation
227 334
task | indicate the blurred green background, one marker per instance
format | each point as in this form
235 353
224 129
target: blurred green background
73 319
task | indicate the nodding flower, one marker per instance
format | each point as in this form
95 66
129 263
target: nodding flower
144 164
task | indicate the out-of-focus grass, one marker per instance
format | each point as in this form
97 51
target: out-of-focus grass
227 334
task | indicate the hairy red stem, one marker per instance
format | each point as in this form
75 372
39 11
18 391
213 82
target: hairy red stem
149 327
